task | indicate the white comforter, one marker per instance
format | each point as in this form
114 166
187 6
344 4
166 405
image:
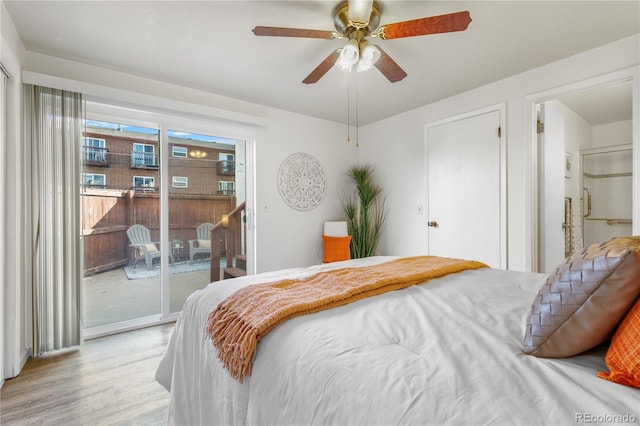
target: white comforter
445 352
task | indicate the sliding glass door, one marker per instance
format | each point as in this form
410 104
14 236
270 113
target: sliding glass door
202 190
120 199
152 190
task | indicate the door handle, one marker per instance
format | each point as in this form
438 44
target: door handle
588 201
432 224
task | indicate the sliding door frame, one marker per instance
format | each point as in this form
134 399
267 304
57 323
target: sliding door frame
101 110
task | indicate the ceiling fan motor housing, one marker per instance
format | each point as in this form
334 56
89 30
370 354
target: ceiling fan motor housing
344 27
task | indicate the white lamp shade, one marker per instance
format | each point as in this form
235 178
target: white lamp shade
335 229
369 55
349 56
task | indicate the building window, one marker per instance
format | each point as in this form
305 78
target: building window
144 183
94 179
94 150
226 187
226 164
144 155
179 151
180 182
226 156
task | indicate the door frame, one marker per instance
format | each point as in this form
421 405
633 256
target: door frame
501 109
532 171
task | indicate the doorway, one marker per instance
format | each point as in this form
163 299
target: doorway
585 169
152 187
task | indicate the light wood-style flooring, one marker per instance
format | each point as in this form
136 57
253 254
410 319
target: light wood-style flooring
107 381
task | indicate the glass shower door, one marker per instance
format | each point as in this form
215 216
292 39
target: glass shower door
607 193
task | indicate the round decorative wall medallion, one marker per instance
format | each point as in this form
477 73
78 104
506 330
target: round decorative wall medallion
302 182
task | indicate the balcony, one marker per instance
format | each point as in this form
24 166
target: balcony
144 160
226 168
95 156
144 188
93 186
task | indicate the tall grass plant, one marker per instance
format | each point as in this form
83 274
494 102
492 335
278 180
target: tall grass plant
365 210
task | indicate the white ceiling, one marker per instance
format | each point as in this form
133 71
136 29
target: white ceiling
208 45
602 105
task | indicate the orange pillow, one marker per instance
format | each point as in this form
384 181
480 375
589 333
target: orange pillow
623 355
336 248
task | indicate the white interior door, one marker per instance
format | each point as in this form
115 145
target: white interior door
465 193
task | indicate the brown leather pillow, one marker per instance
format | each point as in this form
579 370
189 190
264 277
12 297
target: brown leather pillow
584 299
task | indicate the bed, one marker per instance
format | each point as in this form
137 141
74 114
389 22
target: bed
446 351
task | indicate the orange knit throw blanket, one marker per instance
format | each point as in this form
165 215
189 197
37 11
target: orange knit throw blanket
239 322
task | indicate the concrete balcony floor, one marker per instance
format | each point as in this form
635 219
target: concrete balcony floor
112 297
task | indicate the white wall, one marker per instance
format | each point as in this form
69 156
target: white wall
578 136
287 237
395 147
619 133
13 352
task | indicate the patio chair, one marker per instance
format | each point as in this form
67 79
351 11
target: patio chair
202 243
140 239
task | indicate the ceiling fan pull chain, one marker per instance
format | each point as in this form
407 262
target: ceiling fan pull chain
357 118
349 109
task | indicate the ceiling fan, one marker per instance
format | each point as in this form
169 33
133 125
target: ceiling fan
357 20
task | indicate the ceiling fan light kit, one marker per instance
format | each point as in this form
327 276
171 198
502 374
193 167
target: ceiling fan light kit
359 19
358 55
369 55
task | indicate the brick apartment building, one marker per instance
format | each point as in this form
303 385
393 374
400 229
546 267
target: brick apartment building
115 159
121 187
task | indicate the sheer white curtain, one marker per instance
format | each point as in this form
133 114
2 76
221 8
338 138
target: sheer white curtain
56 133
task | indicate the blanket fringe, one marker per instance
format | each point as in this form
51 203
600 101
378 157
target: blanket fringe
235 339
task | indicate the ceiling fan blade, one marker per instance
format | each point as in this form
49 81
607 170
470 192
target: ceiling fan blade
388 67
323 68
293 32
451 22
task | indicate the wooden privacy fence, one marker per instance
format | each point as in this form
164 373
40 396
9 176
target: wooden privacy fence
107 214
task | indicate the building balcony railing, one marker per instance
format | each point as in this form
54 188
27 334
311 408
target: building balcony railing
226 192
94 156
144 160
93 186
227 168
145 188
